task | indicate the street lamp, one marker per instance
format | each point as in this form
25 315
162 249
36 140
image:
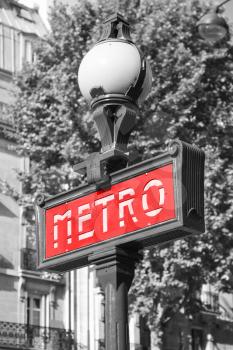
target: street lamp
213 27
115 78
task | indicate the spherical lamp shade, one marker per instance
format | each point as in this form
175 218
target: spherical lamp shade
113 67
212 27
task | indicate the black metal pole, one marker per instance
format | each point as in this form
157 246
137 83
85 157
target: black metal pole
115 272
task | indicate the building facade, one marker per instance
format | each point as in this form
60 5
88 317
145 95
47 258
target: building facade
210 329
31 304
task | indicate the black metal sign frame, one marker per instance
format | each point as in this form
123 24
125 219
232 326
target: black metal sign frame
188 178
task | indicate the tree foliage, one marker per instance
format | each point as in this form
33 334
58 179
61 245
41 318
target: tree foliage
191 99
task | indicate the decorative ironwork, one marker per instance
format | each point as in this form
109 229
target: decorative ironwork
52 276
23 336
116 27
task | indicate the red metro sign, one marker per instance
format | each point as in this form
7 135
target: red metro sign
146 204
130 205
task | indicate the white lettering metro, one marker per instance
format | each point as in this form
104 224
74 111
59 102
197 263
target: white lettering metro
55 227
145 206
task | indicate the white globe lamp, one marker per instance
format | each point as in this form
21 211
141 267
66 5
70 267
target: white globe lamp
115 68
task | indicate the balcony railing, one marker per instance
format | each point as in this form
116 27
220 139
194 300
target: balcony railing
28 259
22 336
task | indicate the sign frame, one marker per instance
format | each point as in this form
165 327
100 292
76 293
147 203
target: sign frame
188 180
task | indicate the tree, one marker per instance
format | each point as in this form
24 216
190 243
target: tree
191 98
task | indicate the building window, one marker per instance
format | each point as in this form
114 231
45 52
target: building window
25 15
5 118
28 52
197 339
34 310
7 48
16 51
11 58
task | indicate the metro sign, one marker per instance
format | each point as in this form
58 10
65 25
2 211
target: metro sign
130 205
157 200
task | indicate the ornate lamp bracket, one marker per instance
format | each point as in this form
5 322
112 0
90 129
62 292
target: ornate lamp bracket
114 123
95 170
116 27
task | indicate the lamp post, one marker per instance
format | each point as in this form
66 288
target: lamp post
212 27
114 77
